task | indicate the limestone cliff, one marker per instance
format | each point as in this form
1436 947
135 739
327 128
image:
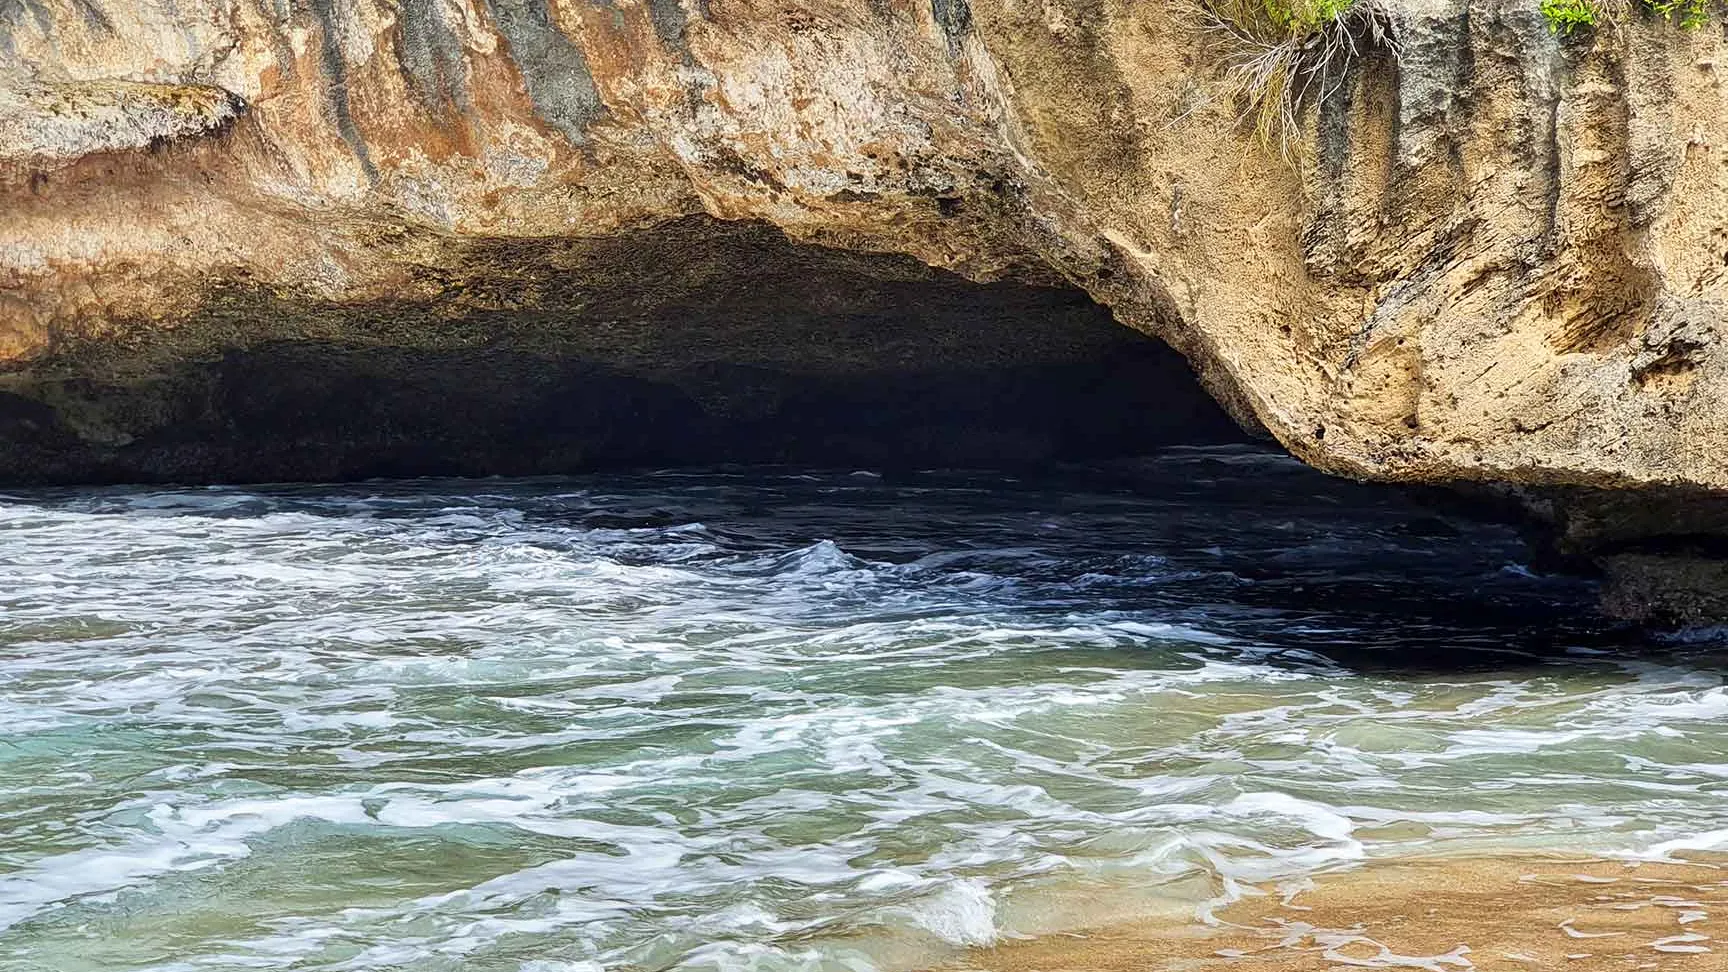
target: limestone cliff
1501 255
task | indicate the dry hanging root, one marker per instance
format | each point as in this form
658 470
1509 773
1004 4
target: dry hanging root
1283 55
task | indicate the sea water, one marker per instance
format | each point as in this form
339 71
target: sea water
778 719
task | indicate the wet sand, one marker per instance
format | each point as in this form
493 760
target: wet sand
1439 915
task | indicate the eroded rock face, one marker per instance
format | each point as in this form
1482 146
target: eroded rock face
1503 257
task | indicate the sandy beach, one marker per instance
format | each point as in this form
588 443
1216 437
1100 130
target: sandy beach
1439 915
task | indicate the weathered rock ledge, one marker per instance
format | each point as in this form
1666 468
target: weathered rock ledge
1503 258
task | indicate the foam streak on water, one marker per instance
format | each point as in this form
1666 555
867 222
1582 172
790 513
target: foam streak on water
774 720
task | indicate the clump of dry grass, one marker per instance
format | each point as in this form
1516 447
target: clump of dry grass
1283 55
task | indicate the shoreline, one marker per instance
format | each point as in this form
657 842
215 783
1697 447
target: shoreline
1438 914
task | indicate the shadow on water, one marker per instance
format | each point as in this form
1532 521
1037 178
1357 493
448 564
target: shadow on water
1283 564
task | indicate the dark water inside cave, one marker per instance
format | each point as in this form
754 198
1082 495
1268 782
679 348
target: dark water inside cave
785 719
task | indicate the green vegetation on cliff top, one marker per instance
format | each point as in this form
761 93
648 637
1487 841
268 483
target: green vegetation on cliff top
1283 53
1566 16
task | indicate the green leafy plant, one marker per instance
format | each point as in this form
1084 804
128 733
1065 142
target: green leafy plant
1689 14
1282 55
1566 16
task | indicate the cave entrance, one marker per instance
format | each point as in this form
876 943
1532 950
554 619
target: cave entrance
696 343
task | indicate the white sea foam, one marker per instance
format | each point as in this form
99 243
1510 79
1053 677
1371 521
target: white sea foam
772 722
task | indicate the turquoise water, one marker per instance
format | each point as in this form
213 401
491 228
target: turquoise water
768 720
